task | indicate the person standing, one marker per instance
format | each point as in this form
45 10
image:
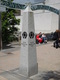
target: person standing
57 37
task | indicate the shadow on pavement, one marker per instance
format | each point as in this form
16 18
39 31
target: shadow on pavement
7 46
50 75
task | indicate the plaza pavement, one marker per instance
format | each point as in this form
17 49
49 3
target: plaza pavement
48 59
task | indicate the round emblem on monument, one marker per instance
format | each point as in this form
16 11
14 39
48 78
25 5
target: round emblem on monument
31 35
24 34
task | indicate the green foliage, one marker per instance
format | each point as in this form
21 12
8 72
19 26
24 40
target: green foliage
8 25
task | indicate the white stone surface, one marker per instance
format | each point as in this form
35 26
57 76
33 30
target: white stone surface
59 19
28 57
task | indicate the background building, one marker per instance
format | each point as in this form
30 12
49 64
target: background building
45 21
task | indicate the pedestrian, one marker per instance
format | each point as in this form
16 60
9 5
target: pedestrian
44 38
57 37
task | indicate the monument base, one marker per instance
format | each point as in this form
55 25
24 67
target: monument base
29 72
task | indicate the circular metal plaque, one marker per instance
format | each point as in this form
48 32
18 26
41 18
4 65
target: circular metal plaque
31 35
24 35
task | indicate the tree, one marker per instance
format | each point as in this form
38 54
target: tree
8 24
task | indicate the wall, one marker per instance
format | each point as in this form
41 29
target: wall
42 22
45 21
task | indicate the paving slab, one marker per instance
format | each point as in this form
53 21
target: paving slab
2 78
2 54
48 59
15 75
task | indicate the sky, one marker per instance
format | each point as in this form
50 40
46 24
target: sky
25 1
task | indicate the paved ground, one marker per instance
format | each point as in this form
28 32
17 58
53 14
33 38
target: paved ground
48 59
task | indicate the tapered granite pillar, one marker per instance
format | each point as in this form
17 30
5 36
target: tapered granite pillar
28 56
59 19
0 33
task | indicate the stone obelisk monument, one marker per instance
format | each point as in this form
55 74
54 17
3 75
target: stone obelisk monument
59 20
28 57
